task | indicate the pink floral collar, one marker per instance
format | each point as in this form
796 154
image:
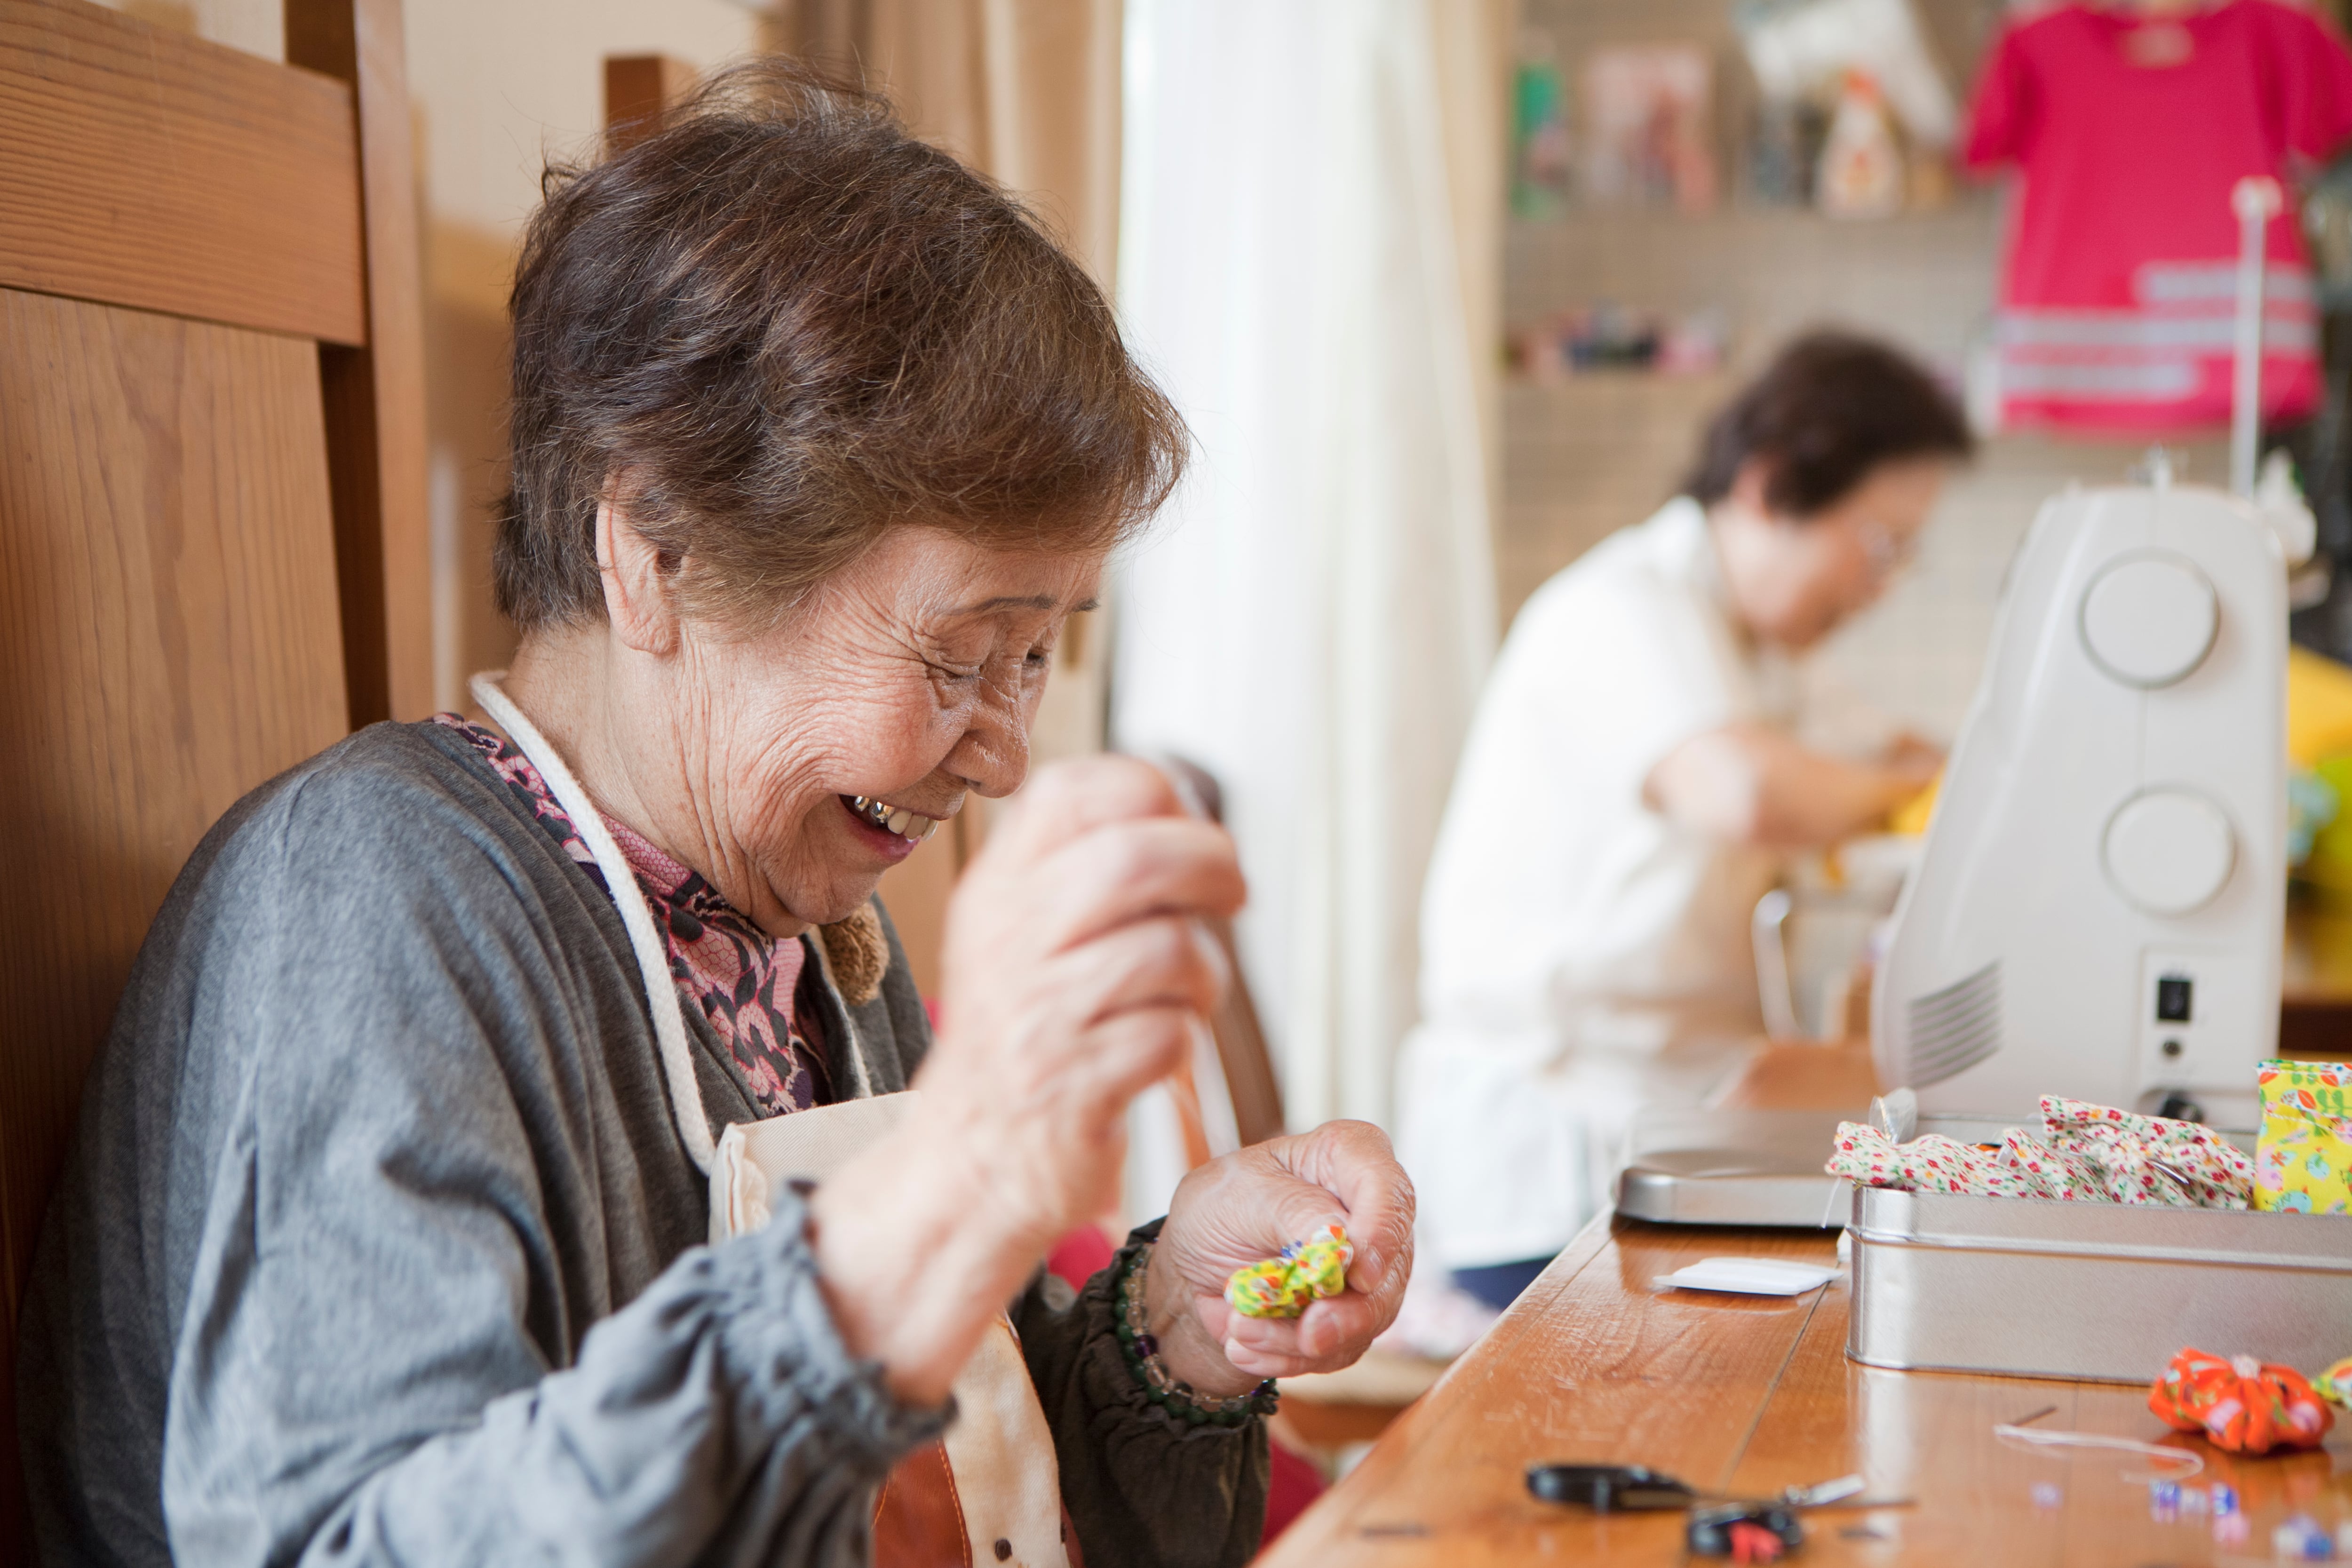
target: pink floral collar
748 985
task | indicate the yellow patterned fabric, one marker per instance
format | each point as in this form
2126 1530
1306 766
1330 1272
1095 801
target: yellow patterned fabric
2303 1158
1282 1286
2334 1385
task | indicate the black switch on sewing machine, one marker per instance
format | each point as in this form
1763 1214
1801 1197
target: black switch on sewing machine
2173 995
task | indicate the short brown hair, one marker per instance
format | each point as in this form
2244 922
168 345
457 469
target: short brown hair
787 325
1831 407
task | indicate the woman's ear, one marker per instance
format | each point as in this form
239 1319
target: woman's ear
635 577
1751 487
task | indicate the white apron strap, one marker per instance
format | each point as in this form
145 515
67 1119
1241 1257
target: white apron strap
653 954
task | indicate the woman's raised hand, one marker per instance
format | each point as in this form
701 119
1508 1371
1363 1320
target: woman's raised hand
1243 1207
1076 971
1076 968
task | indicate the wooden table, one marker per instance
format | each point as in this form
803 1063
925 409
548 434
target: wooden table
1747 1395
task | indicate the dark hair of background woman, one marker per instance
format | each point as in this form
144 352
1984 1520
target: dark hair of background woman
1830 408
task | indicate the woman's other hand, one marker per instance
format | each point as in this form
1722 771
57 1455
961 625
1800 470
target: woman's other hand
1076 971
1076 968
1917 762
1244 1208
1751 783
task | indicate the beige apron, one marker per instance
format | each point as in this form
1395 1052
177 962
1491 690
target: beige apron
989 1491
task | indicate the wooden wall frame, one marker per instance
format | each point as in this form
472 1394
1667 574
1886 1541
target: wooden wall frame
214 545
375 390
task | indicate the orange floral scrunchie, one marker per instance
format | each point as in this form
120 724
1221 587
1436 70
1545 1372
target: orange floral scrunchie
2240 1403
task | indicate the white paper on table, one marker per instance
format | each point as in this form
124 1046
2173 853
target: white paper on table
1748 1277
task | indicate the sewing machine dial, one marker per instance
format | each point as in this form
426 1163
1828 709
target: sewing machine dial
2148 619
2170 850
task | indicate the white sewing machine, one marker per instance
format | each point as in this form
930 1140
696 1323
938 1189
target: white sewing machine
2098 909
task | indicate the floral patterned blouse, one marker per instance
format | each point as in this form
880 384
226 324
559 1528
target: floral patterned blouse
747 984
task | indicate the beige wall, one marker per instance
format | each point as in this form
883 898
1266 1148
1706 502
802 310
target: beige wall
257 27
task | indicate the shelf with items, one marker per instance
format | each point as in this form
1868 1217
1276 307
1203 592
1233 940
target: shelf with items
1925 280
1675 157
1846 107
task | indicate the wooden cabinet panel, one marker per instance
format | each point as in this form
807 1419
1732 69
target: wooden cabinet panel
169 639
141 167
375 394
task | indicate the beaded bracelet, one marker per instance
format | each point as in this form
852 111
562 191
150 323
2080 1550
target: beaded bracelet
1162 1387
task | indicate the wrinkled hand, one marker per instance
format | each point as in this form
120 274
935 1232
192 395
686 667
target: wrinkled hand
1076 968
1913 762
1243 1208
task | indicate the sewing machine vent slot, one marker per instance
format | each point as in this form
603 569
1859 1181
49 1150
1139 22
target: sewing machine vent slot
1954 1029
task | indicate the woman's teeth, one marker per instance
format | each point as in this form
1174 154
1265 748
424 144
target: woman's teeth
894 819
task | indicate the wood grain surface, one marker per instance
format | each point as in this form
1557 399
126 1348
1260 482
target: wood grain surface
1744 1397
141 167
168 640
638 90
374 394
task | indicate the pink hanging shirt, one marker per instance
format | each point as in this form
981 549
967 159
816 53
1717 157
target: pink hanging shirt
2129 131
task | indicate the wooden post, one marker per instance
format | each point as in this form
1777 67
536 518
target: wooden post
637 88
374 395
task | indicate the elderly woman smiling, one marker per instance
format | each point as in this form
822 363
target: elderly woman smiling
381 1243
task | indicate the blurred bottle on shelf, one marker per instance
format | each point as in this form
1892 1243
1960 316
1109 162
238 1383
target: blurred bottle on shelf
1861 172
1647 139
1784 147
1806 56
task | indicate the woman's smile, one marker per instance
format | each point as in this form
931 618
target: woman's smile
892 830
898 819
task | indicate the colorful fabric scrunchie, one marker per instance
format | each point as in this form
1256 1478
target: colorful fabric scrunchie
2240 1403
1282 1286
2334 1385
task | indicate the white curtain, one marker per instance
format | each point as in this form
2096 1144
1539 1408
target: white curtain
1310 225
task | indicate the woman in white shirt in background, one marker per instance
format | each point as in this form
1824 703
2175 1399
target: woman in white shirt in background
1650 744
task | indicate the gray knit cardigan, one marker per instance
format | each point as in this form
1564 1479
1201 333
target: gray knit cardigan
378 1243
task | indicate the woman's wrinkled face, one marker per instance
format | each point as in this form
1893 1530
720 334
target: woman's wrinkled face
1794 579
907 681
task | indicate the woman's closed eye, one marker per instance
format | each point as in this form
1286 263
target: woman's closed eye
1038 657
966 662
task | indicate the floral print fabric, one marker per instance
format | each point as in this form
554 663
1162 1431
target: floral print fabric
744 982
2086 1153
2304 1157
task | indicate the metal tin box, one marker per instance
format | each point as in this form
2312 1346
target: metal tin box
2104 1292
1751 1167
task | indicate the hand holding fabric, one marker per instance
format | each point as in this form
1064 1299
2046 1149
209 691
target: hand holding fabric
1244 1208
1076 968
